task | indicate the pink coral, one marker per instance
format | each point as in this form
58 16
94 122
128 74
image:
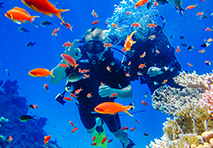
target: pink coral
207 99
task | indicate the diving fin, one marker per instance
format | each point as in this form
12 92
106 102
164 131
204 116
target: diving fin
99 138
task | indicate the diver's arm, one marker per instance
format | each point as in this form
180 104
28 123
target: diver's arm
124 93
58 73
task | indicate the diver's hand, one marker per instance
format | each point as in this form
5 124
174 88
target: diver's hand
105 91
154 71
72 51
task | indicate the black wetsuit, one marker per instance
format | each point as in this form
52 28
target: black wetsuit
98 73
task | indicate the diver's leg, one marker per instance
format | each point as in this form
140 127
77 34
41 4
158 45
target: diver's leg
114 125
88 120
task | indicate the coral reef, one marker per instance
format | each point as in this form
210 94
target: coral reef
168 99
25 134
194 80
207 99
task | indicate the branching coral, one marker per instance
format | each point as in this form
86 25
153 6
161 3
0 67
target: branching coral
194 80
207 99
168 99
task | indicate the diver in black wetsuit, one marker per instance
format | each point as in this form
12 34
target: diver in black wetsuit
103 69
161 65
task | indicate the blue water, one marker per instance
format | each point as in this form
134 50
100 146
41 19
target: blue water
19 60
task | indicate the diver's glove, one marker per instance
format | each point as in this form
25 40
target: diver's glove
72 51
154 71
105 91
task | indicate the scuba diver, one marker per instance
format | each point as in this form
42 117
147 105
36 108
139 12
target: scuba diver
104 76
151 59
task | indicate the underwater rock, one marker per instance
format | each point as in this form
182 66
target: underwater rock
24 134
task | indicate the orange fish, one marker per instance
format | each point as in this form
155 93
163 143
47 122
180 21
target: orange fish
107 45
78 91
10 139
40 72
144 103
122 29
68 59
45 7
208 63
128 42
89 95
143 55
18 15
165 81
55 31
190 64
127 74
178 49
67 25
110 140
209 40
135 25
137 121
157 51
199 13
152 37
95 22
63 65
208 29
104 140
151 25
125 128
132 129
74 129
115 26
46 87
113 95
94 13
202 51
127 13
94 143
108 68
140 3
67 44
93 138
72 123
102 84
46 139
73 95
112 108
67 99
141 66
191 7
155 3
34 106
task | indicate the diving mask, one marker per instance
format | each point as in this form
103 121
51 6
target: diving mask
94 47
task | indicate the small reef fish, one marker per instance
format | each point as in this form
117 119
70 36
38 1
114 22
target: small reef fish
67 44
72 123
128 42
125 128
93 138
67 25
143 55
78 91
127 13
202 51
45 7
94 13
114 25
151 25
162 1
18 15
203 17
178 49
144 103
95 22
190 48
112 108
67 99
182 37
89 95
55 31
10 139
191 7
41 72
46 87
74 129
63 65
140 3
94 143
110 140
209 40
46 23
132 129
205 44
68 59
30 44
145 95
137 121
199 14
152 37
104 140
32 106
46 139
208 29
25 118
73 95
145 134
107 45
135 25
184 45
208 63
177 5
190 64
113 95
21 29
7 72
75 77
165 81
